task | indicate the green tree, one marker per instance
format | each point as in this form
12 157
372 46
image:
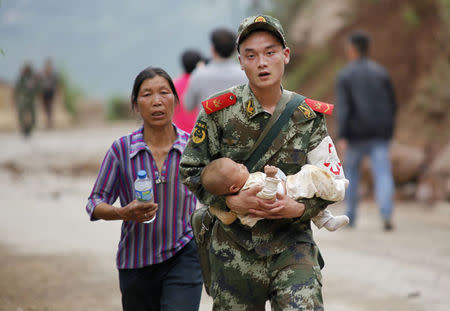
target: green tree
71 94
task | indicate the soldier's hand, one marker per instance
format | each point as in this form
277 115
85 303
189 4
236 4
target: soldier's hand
243 201
283 207
138 211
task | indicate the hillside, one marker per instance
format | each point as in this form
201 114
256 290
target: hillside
409 38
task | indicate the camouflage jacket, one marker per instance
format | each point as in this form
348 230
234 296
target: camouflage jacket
231 132
26 88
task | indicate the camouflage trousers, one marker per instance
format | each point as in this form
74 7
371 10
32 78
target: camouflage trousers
27 116
243 280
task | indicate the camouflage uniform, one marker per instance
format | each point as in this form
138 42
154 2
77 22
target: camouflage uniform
25 93
275 259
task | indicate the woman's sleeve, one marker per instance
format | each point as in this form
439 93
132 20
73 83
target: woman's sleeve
106 187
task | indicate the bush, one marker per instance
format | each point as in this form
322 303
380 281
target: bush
118 108
71 94
311 63
411 18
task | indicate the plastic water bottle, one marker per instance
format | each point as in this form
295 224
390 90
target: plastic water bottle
144 190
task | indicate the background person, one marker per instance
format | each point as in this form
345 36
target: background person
25 91
157 262
366 116
183 118
49 86
220 73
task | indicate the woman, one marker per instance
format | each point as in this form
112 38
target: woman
157 262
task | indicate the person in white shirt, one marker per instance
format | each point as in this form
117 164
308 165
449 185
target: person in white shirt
222 72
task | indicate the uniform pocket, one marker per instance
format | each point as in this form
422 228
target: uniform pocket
292 160
318 274
237 153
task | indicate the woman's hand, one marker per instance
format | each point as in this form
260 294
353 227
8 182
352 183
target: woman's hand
137 211
283 207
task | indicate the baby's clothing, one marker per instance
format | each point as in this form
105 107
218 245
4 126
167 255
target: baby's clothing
313 181
310 181
322 177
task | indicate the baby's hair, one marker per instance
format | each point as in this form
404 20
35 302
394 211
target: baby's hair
212 178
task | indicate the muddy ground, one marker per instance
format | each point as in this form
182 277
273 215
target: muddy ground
54 258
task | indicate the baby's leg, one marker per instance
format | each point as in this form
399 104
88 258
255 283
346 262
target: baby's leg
330 222
225 217
248 220
322 218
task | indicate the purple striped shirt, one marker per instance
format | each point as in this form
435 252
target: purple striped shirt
145 244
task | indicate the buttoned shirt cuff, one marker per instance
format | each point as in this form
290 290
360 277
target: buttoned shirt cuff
90 207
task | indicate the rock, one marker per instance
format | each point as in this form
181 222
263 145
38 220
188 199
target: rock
317 21
407 163
406 191
441 163
434 185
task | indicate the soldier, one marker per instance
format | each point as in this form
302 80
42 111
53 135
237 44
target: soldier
277 259
49 87
24 95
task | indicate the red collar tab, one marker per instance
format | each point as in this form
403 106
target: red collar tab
320 106
219 102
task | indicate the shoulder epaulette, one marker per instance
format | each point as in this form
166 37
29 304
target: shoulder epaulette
219 102
320 106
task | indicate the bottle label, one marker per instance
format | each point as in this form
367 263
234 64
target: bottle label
146 195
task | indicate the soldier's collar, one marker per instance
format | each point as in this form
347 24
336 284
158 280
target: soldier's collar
250 103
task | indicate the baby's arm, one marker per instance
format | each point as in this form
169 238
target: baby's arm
271 171
271 183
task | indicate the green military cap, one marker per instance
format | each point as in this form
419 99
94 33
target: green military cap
260 22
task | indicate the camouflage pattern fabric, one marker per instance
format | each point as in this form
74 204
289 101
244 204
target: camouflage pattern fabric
291 280
25 93
231 132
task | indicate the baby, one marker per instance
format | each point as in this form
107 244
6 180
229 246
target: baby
223 176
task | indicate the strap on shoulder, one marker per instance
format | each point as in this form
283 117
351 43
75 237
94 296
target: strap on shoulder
272 129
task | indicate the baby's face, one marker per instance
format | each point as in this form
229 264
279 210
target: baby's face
238 173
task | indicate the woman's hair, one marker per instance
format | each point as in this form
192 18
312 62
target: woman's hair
149 73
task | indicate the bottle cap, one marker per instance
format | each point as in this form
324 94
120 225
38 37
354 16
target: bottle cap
142 174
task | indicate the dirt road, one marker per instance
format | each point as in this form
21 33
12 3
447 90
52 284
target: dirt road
53 258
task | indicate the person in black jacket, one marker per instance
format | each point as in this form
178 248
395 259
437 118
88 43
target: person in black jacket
366 110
